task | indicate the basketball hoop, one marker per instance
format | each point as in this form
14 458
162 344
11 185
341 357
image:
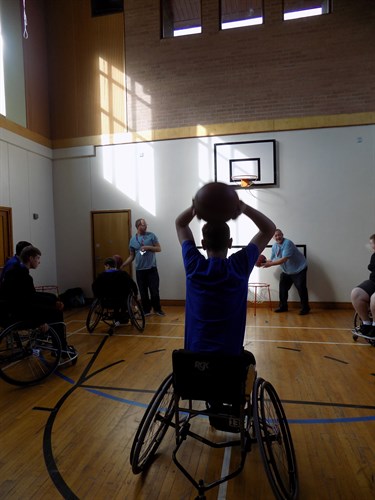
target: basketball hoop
245 180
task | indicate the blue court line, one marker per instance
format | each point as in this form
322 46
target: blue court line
347 420
332 420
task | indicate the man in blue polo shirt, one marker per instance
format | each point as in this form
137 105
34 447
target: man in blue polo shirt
143 247
217 286
294 271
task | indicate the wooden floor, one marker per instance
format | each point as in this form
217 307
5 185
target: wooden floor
71 436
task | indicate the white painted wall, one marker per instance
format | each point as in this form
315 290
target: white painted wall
325 200
26 187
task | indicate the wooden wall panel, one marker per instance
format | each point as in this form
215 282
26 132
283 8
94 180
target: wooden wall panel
36 70
86 66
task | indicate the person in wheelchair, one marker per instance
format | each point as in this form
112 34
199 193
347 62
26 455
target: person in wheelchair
15 260
24 303
363 297
217 286
113 286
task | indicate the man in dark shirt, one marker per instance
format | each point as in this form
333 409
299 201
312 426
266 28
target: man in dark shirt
24 303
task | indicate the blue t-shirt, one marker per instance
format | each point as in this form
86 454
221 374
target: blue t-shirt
296 260
145 260
216 299
9 264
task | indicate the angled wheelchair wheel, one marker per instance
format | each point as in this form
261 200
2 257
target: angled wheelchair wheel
275 441
136 313
153 426
94 316
27 355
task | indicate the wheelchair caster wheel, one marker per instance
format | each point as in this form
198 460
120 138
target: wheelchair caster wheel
355 337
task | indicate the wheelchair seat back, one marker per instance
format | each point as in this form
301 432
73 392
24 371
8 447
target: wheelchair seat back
209 376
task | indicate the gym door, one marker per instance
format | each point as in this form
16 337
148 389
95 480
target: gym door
111 232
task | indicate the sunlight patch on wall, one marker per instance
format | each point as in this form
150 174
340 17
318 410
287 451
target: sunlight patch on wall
130 168
112 98
139 107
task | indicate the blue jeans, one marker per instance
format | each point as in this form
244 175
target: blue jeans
148 284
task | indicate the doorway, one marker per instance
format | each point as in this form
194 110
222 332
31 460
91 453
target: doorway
6 235
111 232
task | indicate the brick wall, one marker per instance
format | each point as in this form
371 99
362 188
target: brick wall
322 65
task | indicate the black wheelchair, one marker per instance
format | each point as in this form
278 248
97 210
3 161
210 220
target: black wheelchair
28 354
214 385
106 310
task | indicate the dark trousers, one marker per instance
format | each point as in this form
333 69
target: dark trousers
148 284
299 281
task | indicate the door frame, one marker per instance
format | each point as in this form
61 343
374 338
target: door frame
7 238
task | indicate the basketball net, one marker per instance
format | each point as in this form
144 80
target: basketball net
245 181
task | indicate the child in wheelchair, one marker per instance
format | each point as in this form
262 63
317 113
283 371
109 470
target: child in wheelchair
217 287
23 303
113 286
363 299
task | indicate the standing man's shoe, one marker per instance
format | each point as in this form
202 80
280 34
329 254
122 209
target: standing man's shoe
281 310
303 312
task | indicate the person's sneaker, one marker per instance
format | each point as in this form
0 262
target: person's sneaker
371 332
160 313
303 312
365 329
148 313
281 310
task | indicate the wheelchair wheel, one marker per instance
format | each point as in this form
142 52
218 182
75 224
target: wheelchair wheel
136 313
27 355
275 441
153 426
94 316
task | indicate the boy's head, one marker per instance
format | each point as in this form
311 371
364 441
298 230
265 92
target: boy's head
30 257
110 263
216 236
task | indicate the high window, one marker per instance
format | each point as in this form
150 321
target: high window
238 13
180 17
295 9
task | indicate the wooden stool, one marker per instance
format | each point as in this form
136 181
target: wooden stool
263 287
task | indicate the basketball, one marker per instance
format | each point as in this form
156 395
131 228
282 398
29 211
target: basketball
261 260
216 202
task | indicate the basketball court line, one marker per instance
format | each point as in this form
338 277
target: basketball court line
247 340
276 327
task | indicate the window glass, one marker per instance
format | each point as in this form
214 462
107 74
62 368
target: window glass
295 9
180 17
238 13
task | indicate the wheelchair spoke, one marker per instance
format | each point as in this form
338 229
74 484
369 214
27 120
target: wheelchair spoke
27 356
275 441
153 426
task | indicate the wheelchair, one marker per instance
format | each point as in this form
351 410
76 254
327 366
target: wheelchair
103 309
357 323
214 385
29 355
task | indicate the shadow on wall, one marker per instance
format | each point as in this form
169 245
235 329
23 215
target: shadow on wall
319 283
